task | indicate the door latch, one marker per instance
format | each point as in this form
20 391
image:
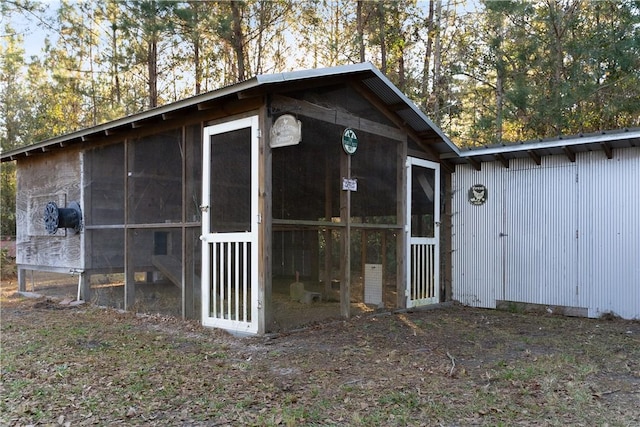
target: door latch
503 234
204 208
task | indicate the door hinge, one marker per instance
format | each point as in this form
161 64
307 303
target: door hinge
259 218
204 208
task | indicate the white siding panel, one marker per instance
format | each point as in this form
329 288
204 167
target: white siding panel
477 263
541 228
573 233
609 223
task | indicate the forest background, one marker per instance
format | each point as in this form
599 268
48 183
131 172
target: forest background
486 72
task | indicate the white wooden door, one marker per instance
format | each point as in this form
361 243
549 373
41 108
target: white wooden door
230 226
423 242
540 236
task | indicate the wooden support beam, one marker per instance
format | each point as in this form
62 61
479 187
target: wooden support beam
535 157
502 159
205 106
282 103
447 166
395 119
397 106
473 162
570 154
607 150
345 240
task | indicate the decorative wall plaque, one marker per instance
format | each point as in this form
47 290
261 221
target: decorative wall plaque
286 131
477 194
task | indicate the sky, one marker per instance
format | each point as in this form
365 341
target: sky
34 35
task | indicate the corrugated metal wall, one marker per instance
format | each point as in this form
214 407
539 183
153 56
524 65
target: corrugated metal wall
609 224
477 259
540 226
561 233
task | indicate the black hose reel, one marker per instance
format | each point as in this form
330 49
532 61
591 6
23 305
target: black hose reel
69 217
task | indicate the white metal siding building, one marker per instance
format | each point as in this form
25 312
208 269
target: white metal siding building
558 226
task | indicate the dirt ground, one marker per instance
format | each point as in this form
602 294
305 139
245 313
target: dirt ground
450 366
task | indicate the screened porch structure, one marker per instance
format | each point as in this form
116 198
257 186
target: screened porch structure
211 208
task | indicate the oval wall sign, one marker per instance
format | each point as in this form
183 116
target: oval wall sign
349 141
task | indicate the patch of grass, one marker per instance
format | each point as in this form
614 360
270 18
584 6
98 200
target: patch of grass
101 367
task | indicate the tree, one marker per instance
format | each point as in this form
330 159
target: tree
146 25
12 113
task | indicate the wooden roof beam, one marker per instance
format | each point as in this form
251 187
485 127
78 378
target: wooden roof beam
570 154
397 106
282 103
502 159
473 162
395 119
535 156
607 150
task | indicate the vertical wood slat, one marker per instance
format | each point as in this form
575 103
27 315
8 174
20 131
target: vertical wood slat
227 280
236 281
245 301
214 280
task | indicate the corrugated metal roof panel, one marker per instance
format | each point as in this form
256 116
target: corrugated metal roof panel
600 141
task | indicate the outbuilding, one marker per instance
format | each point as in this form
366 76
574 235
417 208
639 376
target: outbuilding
297 197
273 203
552 225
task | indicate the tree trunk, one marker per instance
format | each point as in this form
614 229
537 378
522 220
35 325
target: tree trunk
152 66
382 38
361 31
238 39
437 52
427 58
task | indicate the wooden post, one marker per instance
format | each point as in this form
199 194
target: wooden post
328 235
22 279
265 228
85 286
345 250
129 264
401 240
383 240
129 271
185 247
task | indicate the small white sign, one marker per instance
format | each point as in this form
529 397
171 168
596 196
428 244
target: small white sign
349 184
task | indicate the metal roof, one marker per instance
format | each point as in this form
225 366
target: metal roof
389 95
563 145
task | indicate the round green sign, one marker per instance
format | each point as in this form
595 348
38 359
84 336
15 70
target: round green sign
349 141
